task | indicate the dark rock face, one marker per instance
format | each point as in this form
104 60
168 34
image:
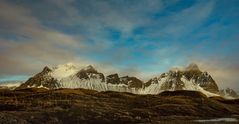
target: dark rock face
90 69
132 82
191 67
45 70
174 82
90 73
113 79
191 73
228 92
150 81
41 79
203 79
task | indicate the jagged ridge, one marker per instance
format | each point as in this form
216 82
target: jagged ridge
72 76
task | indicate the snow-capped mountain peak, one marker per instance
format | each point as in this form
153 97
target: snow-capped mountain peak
89 67
193 67
228 93
68 65
190 78
73 76
90 72
10 84
65 70
46 69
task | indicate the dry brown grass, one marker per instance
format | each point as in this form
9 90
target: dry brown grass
88 106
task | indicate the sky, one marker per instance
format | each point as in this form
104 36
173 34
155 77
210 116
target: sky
131 37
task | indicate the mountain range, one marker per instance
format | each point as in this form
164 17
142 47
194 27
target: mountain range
10 84
73 76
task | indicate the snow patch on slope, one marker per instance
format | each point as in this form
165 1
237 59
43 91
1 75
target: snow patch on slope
191 85
94 84
228 94
11 84
75 82
65 70
154 88
218 120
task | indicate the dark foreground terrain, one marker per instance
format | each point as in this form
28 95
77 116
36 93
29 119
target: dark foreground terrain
87 106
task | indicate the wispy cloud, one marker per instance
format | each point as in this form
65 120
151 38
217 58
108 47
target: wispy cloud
34 45
224 72
136 37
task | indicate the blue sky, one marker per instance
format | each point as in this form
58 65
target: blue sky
132 37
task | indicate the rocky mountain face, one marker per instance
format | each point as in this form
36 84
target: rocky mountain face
90 73
72 76
190 78
42 79
132 82
203 79
228 93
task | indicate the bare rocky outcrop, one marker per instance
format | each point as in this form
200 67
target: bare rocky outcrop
228 92
42 79
175 79
90 73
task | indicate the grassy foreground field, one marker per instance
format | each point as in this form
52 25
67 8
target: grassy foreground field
87 106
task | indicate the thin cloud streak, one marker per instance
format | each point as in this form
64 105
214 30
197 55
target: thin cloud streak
35 46
138 37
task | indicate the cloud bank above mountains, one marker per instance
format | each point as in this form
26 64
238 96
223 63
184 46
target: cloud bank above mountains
137 37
